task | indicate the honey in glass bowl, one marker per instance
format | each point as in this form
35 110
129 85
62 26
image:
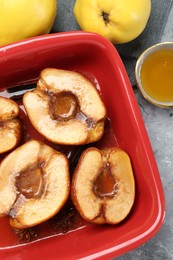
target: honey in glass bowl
154 74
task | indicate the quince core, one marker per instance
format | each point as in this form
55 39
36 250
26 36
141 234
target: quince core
66 108
103 187
10 126
34 184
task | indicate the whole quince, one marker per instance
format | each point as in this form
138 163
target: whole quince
120 21
21 19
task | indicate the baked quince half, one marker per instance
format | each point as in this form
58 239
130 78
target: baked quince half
10 126
65 108
103 187
34 184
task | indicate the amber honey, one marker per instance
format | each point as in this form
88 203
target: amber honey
157 75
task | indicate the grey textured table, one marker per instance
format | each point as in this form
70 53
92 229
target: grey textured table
159 122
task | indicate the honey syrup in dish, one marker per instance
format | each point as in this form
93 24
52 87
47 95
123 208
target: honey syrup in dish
157 75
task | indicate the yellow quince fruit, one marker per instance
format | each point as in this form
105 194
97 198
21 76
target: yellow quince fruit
120 21
21 19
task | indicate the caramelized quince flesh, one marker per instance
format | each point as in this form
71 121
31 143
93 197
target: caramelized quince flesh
10 126
103 185
34 184
66 108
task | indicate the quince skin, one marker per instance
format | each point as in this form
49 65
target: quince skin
21 19
119 21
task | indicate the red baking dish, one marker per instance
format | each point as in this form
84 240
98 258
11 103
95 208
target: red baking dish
96 58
